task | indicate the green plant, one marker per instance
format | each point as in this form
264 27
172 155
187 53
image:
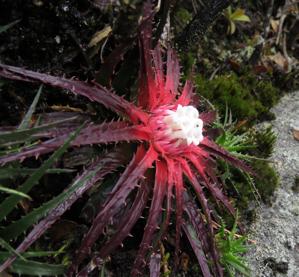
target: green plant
255 146
264 141
24 266
232 246
160 121
248 97
234 17
13 142
165 132
231 138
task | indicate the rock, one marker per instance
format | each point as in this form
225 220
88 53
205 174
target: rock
275 231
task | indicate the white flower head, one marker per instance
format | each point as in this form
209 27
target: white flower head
184 125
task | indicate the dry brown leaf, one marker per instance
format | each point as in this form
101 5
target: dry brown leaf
184 261
296 134
274 24
67 108
280 60
99 36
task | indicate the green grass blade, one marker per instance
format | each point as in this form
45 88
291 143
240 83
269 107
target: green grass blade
13 191
9 203
27 118
7 26
238 265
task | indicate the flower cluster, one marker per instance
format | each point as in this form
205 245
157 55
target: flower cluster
184 125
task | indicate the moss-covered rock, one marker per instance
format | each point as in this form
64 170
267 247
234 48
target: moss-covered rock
246 96
264 185
264 141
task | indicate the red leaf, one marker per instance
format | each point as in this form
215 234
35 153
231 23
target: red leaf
154 213
216 150
186 95
94 92
179 187
197 249
128 220
108 163
147 89
173 73
92 134
125 226
200 166
125 185
155 265
204 204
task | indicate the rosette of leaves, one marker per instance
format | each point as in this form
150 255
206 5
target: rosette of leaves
155 173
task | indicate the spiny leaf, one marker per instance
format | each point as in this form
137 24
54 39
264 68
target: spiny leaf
124 227
216 150
108 163
179 188
64 201
23 135
205 206
91 134
154 213
30 254
13 172
33 268
11 250
197 248
93 92
127 182
9 203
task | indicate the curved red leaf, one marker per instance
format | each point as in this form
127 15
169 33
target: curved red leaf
102 166
154 213
204 204
125 185
93 92
216 150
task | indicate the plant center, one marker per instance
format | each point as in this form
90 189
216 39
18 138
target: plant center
184 125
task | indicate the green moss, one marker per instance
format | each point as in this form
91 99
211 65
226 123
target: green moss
246 96
264 141
183 16
266 181
265 184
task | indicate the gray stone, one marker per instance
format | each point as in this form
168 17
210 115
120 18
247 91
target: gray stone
276 230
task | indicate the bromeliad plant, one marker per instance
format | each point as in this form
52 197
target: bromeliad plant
171 136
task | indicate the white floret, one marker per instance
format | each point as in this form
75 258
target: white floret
185 125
